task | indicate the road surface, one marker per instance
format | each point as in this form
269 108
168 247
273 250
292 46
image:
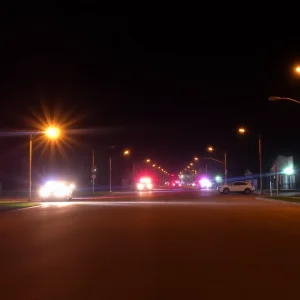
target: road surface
159 245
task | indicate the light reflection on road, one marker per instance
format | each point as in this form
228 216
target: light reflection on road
55 204
141 203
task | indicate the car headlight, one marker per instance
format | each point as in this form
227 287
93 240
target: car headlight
61 191
140 186
44 192
149 186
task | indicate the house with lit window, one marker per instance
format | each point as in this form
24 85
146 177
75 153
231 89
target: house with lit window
283 173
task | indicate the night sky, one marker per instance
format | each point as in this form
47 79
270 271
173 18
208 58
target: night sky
166 87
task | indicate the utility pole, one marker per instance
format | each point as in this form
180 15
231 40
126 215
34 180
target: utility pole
133 174
110 167
110 174
30 167
260 162
225 167
93 171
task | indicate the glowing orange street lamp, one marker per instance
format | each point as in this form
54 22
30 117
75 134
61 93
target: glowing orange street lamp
211 149
126 152
241 130
52 132
297 69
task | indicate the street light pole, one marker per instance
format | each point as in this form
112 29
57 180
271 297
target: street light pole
225 168
52 133
110 175
260 162
93 168
30 167
133 175
243 131
211 149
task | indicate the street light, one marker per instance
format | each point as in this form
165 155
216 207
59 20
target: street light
211 149
148 160
242 131
276 98
297 69
52 133
196 158
126 152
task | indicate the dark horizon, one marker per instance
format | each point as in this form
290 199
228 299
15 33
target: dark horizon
161 91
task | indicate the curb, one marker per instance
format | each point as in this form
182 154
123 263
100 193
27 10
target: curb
35 206
276 201
19 208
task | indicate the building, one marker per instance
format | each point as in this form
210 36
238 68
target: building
284 173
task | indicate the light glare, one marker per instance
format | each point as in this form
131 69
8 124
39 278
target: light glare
126 152
218 178
242 130
52 132
288 171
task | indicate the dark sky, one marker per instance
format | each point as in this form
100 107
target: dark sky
165 86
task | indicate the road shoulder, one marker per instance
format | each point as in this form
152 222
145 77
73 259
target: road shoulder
7 206
283 200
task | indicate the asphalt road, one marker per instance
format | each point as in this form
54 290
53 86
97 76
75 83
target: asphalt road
159 245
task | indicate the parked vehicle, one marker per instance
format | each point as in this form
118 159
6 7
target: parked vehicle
237 187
